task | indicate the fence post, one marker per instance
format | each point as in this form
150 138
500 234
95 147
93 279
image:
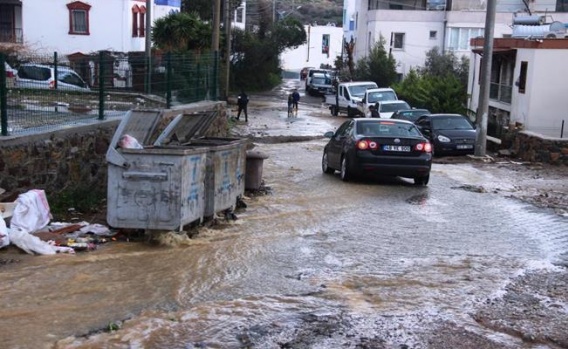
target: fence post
55 83
215 86
101 87
168 80
3 99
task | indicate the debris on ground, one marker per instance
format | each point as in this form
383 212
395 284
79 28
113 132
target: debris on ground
26 225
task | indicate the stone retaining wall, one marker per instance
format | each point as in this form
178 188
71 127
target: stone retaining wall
57 160
534 147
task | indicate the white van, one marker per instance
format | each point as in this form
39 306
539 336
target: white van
346 97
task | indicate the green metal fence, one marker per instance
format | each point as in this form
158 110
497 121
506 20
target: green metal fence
48 92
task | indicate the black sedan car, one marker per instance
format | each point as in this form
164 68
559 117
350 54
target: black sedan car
409 114
378 146
450 134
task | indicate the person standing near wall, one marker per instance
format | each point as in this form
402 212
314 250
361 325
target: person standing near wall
242 102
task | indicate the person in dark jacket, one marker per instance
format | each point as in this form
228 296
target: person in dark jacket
295 99
242 102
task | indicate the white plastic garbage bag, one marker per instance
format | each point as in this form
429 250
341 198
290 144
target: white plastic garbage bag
129 142
4 237
32 211
32 244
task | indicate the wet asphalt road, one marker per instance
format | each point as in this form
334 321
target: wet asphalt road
314 263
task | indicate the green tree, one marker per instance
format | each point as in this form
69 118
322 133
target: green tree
205 7
440 86
379 66
180 32
440 64
255 63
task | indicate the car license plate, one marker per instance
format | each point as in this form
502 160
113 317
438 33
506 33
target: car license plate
464 146
396 148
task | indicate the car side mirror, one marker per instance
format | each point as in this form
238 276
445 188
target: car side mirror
329 134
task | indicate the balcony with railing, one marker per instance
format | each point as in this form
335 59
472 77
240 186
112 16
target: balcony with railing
500 92
11 35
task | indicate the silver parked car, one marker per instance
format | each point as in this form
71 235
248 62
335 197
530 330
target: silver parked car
39 76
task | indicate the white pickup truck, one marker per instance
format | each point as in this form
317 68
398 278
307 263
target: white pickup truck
346 96
374 96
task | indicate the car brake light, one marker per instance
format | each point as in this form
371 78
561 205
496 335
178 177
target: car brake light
10 74
365 144
52 85
425 147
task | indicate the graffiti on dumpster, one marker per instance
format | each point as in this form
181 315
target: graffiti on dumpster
195 185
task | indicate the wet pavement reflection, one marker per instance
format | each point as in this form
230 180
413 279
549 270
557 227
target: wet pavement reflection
329 262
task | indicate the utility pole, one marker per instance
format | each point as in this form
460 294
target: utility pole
148 41
273 11
215 47
485 74
216 22
228 53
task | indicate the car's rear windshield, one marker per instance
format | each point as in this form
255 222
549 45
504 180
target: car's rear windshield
359 90
381 96
377 128
451 123
392 107
412 115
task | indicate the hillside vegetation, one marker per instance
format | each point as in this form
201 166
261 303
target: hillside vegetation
321 12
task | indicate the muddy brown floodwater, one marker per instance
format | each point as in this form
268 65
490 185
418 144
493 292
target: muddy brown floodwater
475 260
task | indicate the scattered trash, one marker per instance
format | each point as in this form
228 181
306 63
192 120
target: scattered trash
30 230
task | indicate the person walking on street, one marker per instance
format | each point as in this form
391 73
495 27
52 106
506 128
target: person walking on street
242 102
295 99
290 105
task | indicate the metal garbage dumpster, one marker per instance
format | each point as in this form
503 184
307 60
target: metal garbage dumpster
225 165
155 187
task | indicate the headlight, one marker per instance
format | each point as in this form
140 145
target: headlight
444 139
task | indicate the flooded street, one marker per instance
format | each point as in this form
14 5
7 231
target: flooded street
315 263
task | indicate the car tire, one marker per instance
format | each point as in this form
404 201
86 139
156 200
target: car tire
325 164
423 181
345 170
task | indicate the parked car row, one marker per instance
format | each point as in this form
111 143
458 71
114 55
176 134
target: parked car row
41 76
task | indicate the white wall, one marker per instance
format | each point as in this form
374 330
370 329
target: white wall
310 54
543 106
46 26
546 90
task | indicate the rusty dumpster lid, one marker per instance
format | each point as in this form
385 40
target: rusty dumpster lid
186 126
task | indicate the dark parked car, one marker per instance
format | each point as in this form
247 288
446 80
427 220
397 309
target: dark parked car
409 114
450 134
378 146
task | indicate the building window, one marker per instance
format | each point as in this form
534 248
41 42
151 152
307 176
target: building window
433 34
523 77
373 5
78 18
325 44
142 22
398 41
459 38
138 21
240 12
135 11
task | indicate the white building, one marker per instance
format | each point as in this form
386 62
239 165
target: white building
528 84
67 26
323 45
412 28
